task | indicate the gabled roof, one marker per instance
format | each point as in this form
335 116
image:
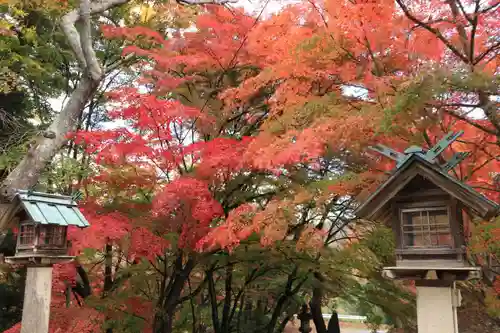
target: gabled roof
375 206
45 208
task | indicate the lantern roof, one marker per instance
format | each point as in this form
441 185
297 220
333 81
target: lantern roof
416 162
47 208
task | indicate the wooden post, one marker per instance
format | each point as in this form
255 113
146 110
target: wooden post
37 296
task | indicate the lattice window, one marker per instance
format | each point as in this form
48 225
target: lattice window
52 235
27 234
426 227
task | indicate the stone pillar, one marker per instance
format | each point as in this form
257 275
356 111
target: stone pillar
37 295
436 309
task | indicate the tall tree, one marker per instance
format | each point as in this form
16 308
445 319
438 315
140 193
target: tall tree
193 159
26 174
247 127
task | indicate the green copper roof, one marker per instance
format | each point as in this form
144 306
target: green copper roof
425 163
48 208
378 203
428 155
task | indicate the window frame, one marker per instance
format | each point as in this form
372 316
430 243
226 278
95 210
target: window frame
33 243
49 232
426 228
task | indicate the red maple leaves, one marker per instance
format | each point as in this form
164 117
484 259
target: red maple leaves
188 208
240 96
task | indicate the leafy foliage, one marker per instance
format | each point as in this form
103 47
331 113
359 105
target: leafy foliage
223 197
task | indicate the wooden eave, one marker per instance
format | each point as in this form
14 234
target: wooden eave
8 211
376 206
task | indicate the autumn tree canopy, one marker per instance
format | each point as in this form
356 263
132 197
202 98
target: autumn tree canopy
223 195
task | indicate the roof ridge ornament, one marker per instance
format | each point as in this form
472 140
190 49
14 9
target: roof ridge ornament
429 155
77 195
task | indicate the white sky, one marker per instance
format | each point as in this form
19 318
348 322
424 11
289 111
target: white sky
255 6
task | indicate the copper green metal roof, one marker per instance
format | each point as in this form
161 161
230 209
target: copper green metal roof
46 208
429 155
428 166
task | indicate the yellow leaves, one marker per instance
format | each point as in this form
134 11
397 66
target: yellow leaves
160 14
16 6
30 35
303 196
8 80
145 12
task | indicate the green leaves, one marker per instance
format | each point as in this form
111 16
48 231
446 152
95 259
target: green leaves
413 98
381 242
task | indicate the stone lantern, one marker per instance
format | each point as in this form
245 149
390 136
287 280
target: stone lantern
425 207
42 220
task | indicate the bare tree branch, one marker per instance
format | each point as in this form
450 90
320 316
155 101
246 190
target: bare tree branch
474 22
471 122
494 47
83 48
460 28
68 26
129 58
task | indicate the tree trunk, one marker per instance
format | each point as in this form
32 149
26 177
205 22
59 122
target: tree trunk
40 154
164 318
334 324
43 149
108 275
317 313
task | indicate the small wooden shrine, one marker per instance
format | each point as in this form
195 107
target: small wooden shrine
425 208
42 220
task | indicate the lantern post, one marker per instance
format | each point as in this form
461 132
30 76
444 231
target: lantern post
425 208
42 220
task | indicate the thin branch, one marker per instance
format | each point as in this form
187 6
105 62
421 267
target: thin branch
492 7
470 122
129 58
432 30
485 53
462 9
460 28
474 22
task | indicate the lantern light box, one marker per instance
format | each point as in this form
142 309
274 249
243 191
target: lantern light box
42 220
425 207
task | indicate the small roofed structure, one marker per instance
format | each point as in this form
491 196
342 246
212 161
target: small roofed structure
425 208
42 220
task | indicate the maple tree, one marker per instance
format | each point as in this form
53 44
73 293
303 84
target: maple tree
247 143
184 200
305 65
